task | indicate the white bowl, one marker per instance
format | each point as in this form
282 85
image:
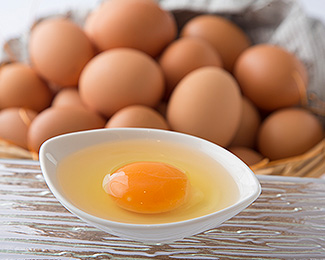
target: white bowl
54 150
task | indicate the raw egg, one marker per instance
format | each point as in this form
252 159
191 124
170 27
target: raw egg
20 86
246 154
249 125
206 103
228 39
271 77
137 116
162 108
150 181
54 121
59 49
14 124
121 77
139 24
147 187
185 55
67 97
289 132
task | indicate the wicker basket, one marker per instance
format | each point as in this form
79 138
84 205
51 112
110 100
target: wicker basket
10 151
309 164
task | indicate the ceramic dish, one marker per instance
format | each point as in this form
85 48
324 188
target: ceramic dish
54 150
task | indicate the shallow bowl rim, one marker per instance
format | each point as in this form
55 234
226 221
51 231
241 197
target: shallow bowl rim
110 223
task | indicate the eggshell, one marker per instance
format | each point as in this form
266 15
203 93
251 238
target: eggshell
54 121
227 38
67 97
271 77
20 86
289 132
137 116
162 108
250 122
185 55
59 49
247 155
206 103
121 77
139 24
14 124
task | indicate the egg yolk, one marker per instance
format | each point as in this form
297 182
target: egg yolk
147 187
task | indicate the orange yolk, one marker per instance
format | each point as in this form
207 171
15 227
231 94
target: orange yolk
147 187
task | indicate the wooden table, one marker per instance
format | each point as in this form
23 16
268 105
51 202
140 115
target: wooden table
286 221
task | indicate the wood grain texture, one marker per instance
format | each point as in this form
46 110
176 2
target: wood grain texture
286 221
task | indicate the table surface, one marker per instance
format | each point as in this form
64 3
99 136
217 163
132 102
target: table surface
286 221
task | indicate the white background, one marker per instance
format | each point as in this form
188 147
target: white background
16 16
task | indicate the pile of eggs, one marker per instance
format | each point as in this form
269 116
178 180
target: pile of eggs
130 66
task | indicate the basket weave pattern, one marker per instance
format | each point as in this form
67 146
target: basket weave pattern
310 164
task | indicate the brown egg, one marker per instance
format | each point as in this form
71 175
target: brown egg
137 116
247 155
61 120
139 24
249 124
162 108
206 103
121 77
227 38
14 124
20 86
89 25
289 132
185 55
271 77
67 97
59 50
